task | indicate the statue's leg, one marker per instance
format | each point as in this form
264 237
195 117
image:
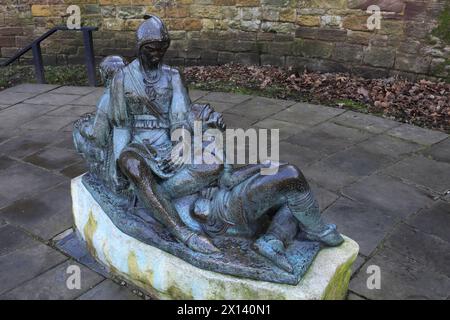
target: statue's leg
191 179
289 187
135 168
280 233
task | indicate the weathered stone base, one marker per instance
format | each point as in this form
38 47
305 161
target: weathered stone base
165 276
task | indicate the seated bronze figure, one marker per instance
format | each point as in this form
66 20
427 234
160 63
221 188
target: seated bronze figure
218 217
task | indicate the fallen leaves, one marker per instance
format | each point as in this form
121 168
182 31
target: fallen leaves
424 103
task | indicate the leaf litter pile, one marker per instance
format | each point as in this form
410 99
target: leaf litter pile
423 103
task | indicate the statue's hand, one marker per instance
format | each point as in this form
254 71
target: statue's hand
169 165
226 182
215 122
86 130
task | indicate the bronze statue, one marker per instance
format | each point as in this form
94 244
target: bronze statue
223 218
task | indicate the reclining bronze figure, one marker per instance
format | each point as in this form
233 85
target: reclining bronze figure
216 216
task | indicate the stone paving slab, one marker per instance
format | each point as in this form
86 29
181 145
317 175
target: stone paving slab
359 262
366 225
108 290
45 214
298 155
48 122
439 152
258 108
197 94
72 110
6 162
431 174
81 91
286 129
225 97
52 99
89 99
237 121
389 146
20 266
383 183
353 296
74 170
53 158
32 88
389 194
366 122
51 285
422 247
346 167
328 138
324 197
434 220
27 143
307 114
401 278
25 179
20 114
12 239
10 98
417 134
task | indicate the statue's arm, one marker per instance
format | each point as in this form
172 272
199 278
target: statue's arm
101 128
232 177
117 111
180 104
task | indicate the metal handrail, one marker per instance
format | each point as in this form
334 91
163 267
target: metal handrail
35 47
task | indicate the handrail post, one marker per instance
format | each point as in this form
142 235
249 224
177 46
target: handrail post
37 61
89 56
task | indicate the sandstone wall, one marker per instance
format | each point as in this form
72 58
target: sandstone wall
322 35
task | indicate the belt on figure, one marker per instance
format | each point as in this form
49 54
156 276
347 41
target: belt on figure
146 121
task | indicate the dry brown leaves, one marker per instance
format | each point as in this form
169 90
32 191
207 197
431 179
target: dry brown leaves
423 103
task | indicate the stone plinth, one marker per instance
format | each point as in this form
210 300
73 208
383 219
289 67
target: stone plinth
165 276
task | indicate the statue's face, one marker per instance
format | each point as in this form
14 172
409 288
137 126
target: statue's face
152 53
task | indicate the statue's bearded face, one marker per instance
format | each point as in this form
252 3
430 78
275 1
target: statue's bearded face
153 52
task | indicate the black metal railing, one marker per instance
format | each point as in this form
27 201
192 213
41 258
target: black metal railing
35 47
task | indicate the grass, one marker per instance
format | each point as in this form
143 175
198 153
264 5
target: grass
74 75
353 105
442 31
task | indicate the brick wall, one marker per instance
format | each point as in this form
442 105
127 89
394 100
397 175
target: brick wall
320 35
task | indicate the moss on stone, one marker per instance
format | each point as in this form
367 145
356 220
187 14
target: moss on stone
338 286
142 278
442 31
89 230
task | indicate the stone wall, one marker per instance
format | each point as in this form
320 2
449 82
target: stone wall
320 35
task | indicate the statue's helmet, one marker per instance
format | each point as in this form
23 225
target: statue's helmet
151 30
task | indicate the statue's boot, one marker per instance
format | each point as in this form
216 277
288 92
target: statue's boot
329 236
197 242
273 249
305 209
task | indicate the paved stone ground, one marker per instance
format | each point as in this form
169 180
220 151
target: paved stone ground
385 184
